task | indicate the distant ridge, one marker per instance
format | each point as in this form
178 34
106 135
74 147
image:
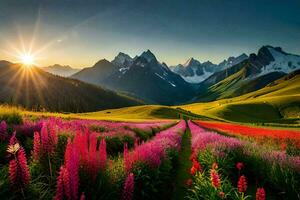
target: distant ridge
36 89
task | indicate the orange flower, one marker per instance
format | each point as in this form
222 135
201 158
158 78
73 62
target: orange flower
193 171
215 166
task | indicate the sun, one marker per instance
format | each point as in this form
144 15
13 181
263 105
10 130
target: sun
27 59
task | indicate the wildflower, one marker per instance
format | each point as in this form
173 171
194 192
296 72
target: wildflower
242 184
82 197
215 166
240 166
189 182
215 179
193 171
193 157
18 168
127 163
102 154
260 194
36 146
197 165
283 146
62 186
128 187
3 131
13 140
72 167
222 194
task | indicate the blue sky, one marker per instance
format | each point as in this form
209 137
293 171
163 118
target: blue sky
80 32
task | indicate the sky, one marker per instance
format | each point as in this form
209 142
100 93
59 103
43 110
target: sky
81 32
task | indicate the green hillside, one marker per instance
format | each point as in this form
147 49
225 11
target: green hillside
238 84
35 89
278 102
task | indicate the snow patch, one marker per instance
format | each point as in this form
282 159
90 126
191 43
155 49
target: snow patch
165 79
282 62
197 78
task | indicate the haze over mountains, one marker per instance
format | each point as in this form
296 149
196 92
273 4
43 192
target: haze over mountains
61 70
36 89
144 79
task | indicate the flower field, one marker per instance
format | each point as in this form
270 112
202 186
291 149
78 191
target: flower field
55 158
282 138
226 167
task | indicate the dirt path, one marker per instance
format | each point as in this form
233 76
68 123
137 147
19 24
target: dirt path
184 165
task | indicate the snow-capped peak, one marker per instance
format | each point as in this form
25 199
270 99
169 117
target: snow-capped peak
191 62
121 58
283 62
148 55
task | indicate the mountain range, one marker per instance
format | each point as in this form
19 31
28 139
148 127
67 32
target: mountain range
193 71
61 70
127 81
33 88
268 65
143 76
154 82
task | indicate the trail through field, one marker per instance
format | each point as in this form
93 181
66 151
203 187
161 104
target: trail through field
184 165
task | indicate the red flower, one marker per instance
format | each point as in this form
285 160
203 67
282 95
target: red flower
189 182
240 166
197 165
260 194
193 171
283 146
215 179
222 194
215 166
242 184
128 187
193 157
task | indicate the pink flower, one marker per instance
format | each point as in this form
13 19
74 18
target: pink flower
242 184
82 197
240 166
18 168
36 146
128 187
3 131
63 185
72 167
102 154
260 194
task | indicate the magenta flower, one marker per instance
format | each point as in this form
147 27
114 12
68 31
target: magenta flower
3 131
128 187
